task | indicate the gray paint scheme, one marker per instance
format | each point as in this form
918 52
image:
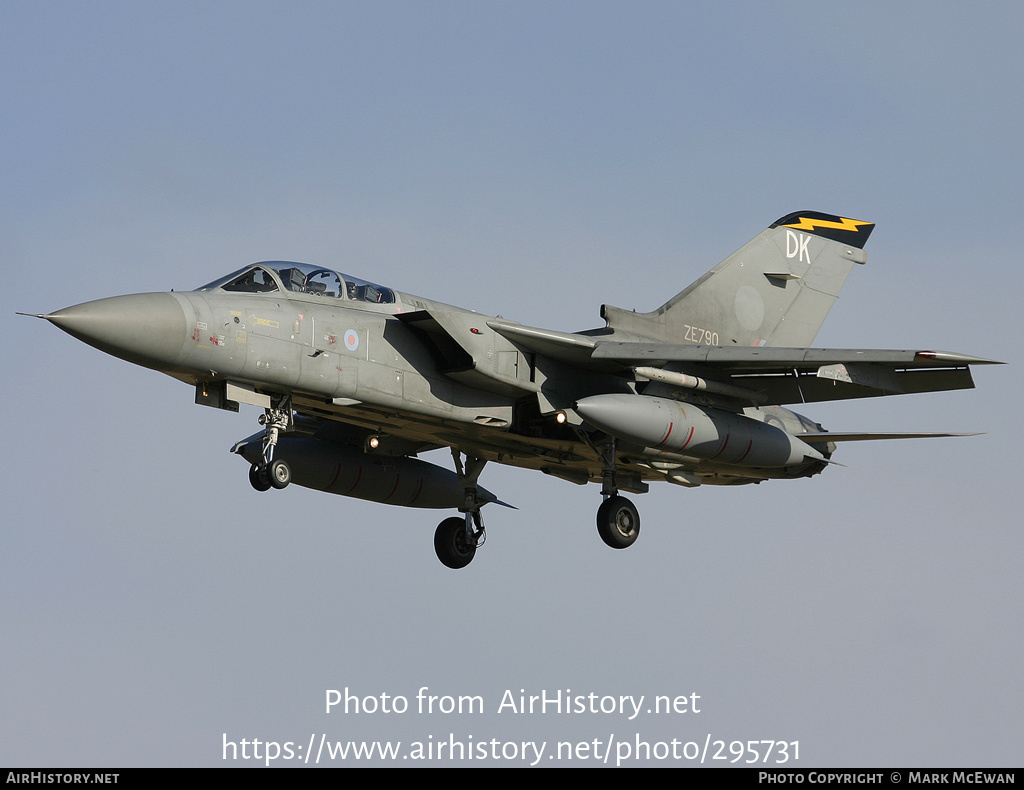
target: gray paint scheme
340 363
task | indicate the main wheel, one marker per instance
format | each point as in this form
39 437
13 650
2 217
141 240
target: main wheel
279 473
258 478
451 544
618 523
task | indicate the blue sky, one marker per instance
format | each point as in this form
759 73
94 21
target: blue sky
533 160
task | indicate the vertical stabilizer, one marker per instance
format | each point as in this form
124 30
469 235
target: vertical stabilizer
775 291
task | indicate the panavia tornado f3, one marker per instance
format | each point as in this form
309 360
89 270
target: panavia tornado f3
356 379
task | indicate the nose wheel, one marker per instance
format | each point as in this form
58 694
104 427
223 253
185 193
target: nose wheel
276 474
258 478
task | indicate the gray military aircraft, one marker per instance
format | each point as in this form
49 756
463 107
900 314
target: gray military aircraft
356 379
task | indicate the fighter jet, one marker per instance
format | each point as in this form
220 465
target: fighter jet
356 379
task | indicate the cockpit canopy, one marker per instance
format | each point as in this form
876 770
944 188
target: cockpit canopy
301 278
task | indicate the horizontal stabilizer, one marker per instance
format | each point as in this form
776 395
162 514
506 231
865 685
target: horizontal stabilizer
828 436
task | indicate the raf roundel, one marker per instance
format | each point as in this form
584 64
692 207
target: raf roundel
351 339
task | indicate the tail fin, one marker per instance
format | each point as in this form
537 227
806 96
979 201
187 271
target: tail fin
775 291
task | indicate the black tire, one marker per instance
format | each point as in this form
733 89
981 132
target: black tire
451 544
258 479
618 522
279 473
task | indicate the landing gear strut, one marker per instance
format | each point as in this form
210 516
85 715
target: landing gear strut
618 522
456 539
273 472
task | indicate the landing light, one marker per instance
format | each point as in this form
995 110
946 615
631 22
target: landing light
373 443
560 417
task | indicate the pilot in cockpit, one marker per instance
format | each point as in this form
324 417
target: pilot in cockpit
255 281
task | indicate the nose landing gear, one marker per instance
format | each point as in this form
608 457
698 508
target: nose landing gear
273 472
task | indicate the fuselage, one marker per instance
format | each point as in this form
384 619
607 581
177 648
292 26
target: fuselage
434 375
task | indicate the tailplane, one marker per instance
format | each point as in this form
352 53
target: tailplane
775 291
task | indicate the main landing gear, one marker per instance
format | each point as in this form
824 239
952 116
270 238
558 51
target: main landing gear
618 522
272 472
456 539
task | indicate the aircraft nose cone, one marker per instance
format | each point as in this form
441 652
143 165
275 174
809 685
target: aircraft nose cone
147 329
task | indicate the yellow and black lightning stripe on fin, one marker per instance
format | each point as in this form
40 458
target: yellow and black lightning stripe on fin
847 231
